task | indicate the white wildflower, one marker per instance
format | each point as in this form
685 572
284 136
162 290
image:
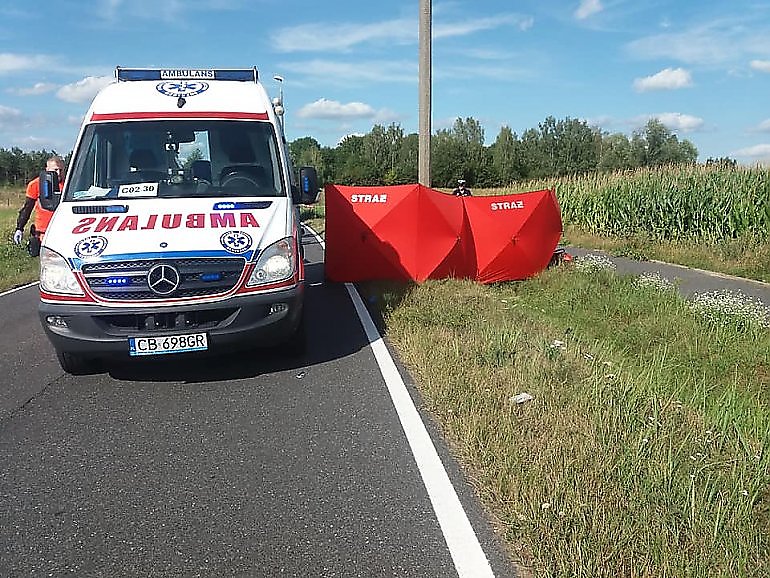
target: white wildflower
522 397
592 263
653 281
725 306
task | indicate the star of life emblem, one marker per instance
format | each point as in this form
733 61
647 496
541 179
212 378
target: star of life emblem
90 247
180 88
236 241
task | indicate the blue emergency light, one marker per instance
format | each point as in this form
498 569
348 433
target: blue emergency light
234 74
116 208
211 277
117 281
241 205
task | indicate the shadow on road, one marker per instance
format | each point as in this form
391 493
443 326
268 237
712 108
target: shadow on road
333 332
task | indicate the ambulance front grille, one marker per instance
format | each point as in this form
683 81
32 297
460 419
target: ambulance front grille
128 280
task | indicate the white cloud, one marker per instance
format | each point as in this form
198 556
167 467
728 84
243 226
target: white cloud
761 65
324 109
588 8
666 79
676 121
472 26
756 151
37 88
10 63
346 73
117 11
603 121
335 110
726 41
83 90
343 37
32 142
350 135
9 116
15 62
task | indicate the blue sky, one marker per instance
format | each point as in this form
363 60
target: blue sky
703 68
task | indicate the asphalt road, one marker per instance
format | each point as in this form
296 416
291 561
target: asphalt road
244 465
688 281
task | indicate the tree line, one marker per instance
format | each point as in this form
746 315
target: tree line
388 156
18 167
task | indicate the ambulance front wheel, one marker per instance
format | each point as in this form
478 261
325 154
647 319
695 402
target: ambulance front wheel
298 341
75 364
295 345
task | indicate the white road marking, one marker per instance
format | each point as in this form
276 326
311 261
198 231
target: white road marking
4 293
467 554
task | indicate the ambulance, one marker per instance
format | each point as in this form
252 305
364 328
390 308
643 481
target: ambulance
177 230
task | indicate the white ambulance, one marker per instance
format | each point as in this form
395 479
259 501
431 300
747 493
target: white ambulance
177 230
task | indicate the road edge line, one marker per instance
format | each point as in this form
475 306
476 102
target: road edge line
15 289
467 554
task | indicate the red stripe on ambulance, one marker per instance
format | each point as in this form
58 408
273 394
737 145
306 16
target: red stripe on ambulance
176 114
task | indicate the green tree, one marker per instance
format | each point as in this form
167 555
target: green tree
576 147
656 145
195 155
352 165
615 152
303 151
406 167
506 157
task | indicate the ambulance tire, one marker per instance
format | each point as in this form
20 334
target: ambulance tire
77 364
296 346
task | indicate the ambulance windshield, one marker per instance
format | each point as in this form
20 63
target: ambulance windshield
176 158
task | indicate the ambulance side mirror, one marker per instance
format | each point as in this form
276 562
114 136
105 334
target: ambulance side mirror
50 196
306 193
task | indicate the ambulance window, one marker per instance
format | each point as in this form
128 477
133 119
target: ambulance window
184 158
89 175
198 150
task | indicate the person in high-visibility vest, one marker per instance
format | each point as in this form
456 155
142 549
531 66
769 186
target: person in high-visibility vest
32 202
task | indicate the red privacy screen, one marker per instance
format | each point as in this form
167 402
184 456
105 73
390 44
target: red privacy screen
412 232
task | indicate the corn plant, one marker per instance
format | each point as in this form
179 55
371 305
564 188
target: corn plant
684 202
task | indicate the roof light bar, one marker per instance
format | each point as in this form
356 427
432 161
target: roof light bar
234 74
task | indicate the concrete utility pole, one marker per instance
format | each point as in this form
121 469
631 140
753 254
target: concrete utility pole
425 92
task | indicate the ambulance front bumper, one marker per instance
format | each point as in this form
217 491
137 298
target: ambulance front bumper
252 320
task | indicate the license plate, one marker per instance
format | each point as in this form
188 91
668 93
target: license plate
167 344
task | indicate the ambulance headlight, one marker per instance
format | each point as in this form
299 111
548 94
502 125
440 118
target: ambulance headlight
56 275
276 263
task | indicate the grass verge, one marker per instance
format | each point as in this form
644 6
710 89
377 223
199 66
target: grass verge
645 448
16 266
740 257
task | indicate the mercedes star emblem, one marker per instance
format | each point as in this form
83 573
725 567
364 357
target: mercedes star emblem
163 279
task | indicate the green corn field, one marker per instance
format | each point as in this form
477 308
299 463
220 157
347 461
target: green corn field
685 202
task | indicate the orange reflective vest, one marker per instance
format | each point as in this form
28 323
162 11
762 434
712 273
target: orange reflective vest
42 216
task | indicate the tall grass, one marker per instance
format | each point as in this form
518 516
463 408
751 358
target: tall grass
646 448
16 266
689 202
